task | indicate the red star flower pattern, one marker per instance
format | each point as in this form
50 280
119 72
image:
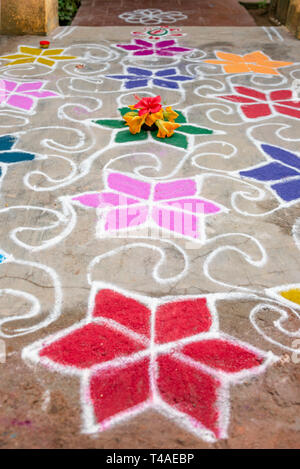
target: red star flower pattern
133 352
256 104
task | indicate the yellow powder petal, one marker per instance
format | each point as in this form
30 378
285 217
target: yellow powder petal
14 56
47 62
62 57
30 50
292 295
53 51
28 60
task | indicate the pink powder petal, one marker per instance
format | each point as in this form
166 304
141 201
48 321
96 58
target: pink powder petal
178 49
143 43
89 200
193 205
144 52
7 85
174 189
22 102
40 94
104 199
120 218
129 47
128 185
36 85
161 44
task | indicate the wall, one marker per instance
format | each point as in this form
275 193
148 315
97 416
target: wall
28 17
293 17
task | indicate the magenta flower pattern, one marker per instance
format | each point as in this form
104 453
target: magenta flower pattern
256 104
162 48
23 95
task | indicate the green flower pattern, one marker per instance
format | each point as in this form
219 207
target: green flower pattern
178 139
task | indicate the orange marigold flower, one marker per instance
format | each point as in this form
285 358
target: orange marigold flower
169 114
152 118
134 121
166 128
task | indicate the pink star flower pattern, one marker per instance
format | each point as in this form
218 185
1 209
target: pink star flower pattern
134 352
256 104
130 202
23 95
167 48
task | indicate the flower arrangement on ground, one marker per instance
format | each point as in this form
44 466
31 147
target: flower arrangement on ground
148 114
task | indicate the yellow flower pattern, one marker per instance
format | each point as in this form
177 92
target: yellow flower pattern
30 55
292 295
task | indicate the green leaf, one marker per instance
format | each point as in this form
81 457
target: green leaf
177 140
124 110
193 129
180 119
111 123
126 136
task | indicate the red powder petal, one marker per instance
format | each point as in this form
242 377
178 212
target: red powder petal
281 95
222 355
287 111
237 99
90 345
252 111
181 319
119 389
126 311
251 92
190 391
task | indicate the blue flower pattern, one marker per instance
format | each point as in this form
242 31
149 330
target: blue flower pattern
8 155
141 77
283 173
2 258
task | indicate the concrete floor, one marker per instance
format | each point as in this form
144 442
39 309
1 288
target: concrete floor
221 354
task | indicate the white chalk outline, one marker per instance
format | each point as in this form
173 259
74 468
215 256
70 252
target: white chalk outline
36 309
152 16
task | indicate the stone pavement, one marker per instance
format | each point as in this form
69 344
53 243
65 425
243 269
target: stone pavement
168 334
153 12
